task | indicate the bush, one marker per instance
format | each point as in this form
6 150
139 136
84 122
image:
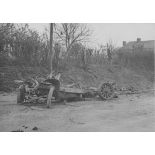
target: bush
140 61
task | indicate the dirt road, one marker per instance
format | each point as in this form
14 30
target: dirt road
127 113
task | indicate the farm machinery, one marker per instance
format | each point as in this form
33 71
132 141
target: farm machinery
50 90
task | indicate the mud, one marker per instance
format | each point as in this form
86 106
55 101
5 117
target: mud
127 113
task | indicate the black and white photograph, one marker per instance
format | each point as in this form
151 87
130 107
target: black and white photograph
77 77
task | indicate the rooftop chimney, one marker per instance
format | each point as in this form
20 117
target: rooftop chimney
138 40
124 43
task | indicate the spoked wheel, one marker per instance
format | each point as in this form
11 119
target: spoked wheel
106 91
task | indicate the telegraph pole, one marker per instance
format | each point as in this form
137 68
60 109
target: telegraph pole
51 47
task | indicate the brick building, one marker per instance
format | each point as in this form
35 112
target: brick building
145 45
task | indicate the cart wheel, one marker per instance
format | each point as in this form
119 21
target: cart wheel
21 94
106 91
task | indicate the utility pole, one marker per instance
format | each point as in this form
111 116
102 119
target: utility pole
51 46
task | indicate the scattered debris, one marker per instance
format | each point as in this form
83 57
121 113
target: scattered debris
35 128
24 126
18 130
127 90
49 90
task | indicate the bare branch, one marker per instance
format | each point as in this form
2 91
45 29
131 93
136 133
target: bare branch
70 33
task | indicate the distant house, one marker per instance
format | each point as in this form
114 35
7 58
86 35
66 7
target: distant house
145 45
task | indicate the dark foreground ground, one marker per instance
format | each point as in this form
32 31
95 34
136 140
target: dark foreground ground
127 113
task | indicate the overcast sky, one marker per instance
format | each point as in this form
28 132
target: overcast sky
116 32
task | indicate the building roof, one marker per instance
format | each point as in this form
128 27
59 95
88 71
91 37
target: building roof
149 44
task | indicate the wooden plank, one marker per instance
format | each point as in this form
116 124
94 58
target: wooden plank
71 90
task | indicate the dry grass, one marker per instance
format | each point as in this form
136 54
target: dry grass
127 69
142 62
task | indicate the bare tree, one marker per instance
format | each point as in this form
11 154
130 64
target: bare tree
70 33
110 48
